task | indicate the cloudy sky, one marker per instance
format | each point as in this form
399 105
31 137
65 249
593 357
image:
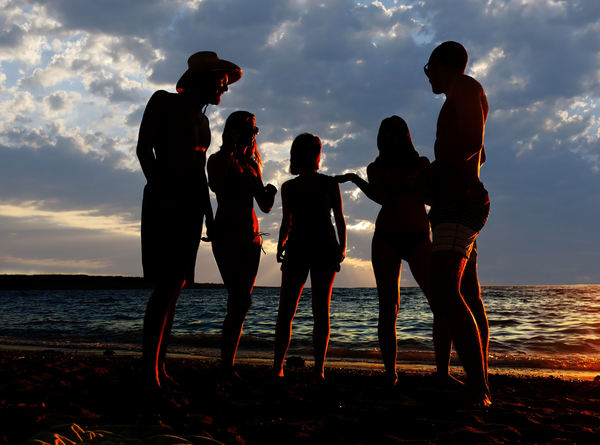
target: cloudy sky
75 77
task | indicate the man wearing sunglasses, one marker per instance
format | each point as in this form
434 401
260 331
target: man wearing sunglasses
459 210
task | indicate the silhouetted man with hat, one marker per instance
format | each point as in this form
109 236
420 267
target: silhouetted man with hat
173 139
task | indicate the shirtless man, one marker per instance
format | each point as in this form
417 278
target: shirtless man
173 139
459 209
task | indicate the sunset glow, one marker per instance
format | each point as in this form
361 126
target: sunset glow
74 219
75 81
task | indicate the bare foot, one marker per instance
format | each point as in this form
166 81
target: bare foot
482 400
167 380
318 376
390 379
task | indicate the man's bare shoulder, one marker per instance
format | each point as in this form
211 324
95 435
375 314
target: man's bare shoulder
161 99
466 86
162 95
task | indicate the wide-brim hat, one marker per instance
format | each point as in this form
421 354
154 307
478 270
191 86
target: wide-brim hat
208 61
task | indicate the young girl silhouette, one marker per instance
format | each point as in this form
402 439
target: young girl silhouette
307 243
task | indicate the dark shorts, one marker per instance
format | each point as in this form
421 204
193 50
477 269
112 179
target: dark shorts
171 231
467 213
311 254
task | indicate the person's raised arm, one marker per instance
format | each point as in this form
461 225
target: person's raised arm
372 188
338 216
264 195
286 222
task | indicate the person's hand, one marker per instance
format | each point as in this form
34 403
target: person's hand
342 254
280 253
348 177
271 189
209 230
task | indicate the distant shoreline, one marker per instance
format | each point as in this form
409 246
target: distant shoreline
99 282
82 281
92 282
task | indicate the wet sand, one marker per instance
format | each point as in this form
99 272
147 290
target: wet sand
46 396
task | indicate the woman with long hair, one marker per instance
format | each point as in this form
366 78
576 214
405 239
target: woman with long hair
396 182
307 243
235 175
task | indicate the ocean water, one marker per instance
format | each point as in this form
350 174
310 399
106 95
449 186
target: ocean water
544 327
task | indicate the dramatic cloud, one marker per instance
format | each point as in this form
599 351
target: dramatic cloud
75 77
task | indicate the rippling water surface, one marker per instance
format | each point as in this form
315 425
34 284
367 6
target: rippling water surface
531 326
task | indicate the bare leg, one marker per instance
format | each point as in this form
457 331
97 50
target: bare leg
239 273
292 283
157 319
322 284
238 306
442 344
243 274
387 266
420 267
163 345
471 291
448 268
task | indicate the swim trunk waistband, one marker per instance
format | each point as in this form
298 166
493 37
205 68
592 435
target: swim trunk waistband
465 213
453 237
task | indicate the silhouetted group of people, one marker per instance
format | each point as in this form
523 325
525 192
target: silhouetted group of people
174 137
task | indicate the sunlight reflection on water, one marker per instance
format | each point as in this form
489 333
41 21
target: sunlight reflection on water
558 324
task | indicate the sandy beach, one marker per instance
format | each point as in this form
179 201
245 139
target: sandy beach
53 396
